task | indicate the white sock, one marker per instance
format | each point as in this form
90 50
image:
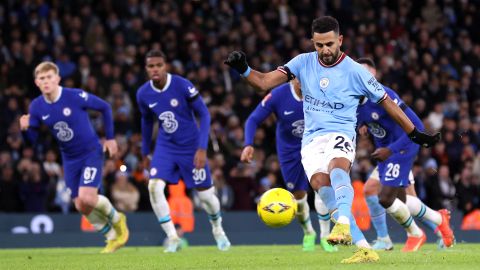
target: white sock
343 220
100 222
303 215
322 212
419 210
103 216
160 206
105 207
363 244
399 211
415 206
211 204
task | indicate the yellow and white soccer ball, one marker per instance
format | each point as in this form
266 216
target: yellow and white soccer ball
277 207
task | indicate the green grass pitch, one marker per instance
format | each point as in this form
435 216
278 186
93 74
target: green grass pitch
461 256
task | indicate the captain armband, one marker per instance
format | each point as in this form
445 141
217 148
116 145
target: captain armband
285 70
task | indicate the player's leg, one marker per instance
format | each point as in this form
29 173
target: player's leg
394 177
201 179
377 212
364 252
438 221
316 158
211 205
324 220
303 217
98 209
398 210
158 200
296 182
162 170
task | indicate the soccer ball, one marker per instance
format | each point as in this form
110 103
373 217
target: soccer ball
277 207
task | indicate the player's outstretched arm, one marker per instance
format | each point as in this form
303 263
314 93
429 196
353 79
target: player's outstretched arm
402 119
262 81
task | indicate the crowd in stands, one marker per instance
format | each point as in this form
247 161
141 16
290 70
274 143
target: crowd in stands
428 51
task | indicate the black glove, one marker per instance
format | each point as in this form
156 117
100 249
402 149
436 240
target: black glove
238 61
424 139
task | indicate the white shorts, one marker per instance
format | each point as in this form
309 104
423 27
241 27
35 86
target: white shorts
322 149
375 176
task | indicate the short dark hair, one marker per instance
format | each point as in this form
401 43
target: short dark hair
325 24
155 53
366 61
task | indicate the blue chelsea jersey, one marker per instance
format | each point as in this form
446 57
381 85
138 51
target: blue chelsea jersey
287 107
68 119
385 131
331 94
174 107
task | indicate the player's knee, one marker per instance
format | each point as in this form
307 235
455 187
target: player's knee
206 194
385 200
85 204
299 194
156 186
319 180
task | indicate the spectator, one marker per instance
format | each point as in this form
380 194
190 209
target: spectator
124 194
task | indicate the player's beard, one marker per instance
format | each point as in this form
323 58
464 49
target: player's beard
330 59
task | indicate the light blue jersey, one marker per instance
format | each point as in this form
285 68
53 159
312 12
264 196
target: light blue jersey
331 94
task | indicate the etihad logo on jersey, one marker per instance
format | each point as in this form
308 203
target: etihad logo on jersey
323 103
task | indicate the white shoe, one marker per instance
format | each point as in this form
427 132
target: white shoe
172 245
223 243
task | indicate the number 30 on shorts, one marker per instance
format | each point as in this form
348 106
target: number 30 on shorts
199 175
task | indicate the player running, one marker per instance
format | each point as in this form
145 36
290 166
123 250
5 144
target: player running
181 145
396 154
65 112
285 102
332 85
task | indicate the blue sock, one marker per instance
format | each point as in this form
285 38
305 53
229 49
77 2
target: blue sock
377 213
327 195
427 222
342 186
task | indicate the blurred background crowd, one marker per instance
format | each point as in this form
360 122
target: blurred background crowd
428 51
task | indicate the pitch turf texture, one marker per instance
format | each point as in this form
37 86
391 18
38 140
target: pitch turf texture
462 256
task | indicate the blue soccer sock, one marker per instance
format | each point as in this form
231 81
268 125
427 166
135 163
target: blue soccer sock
342 186
327 195
378 215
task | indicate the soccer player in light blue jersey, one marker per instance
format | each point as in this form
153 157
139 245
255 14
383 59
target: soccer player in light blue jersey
285 102
181 145
392 177
332 85
65 112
